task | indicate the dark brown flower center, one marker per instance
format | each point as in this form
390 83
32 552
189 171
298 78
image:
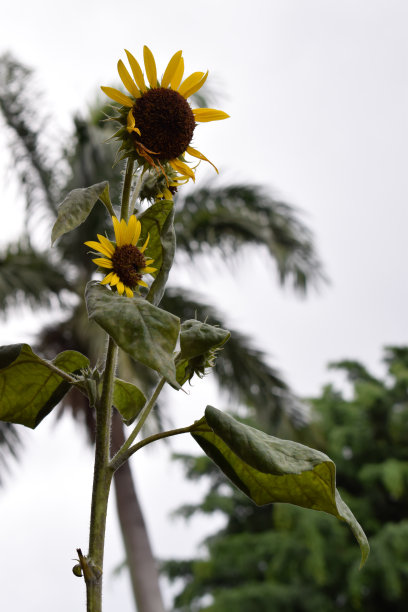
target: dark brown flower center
127 261
166 123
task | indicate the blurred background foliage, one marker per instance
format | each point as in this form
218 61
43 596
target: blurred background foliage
280 557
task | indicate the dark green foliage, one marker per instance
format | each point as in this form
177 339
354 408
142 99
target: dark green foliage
226 217
281 557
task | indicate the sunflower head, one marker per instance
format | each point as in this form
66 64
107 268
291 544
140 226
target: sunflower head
126 262
157 121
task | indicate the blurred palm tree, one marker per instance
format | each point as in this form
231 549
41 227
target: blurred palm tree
215 219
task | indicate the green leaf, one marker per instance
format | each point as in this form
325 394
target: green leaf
76 207
198 343
29 390
128 400
145 332
105 199
158 221
271 470
197 338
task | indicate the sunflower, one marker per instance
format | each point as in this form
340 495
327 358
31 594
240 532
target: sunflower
157 121
126 262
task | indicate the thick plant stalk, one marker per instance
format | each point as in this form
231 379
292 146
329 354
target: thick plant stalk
101 486
92 566
142 566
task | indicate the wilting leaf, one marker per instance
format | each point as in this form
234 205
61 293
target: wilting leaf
77 206
198 341
145 332
29 390
271 470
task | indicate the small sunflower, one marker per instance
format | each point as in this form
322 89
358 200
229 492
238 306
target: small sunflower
126 262
158 122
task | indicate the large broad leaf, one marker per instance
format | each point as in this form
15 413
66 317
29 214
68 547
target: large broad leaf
145 332
158 222
198 344
29 390
270 470
76 207
128 400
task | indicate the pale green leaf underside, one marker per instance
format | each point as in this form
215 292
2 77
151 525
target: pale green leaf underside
147 333
76 207
29 390
270 470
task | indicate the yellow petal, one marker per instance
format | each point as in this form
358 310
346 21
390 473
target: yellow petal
116 227
115 279
209 114
122 231
192 84
130 230
120 287
127 80
131 123
147 270
136 233
137 71
149 261
171 69
181 167
142 283
100 248
178 75
143 248
195 153
129 292
150 66
106 243
118 96
103 262
107 279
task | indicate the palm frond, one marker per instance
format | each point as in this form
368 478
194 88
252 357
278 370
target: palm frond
30 276
19 106
241 370
228 217
9 445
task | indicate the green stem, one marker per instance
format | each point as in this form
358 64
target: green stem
101 484
125 212
160 436
122 454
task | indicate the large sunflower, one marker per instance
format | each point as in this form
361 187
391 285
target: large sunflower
157 121
126 262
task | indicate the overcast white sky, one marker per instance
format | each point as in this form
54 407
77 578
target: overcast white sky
317 93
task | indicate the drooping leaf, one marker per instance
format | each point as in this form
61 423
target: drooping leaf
271 470
147 333
158 222
128 400
29 390
76 207
196 338
198 343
